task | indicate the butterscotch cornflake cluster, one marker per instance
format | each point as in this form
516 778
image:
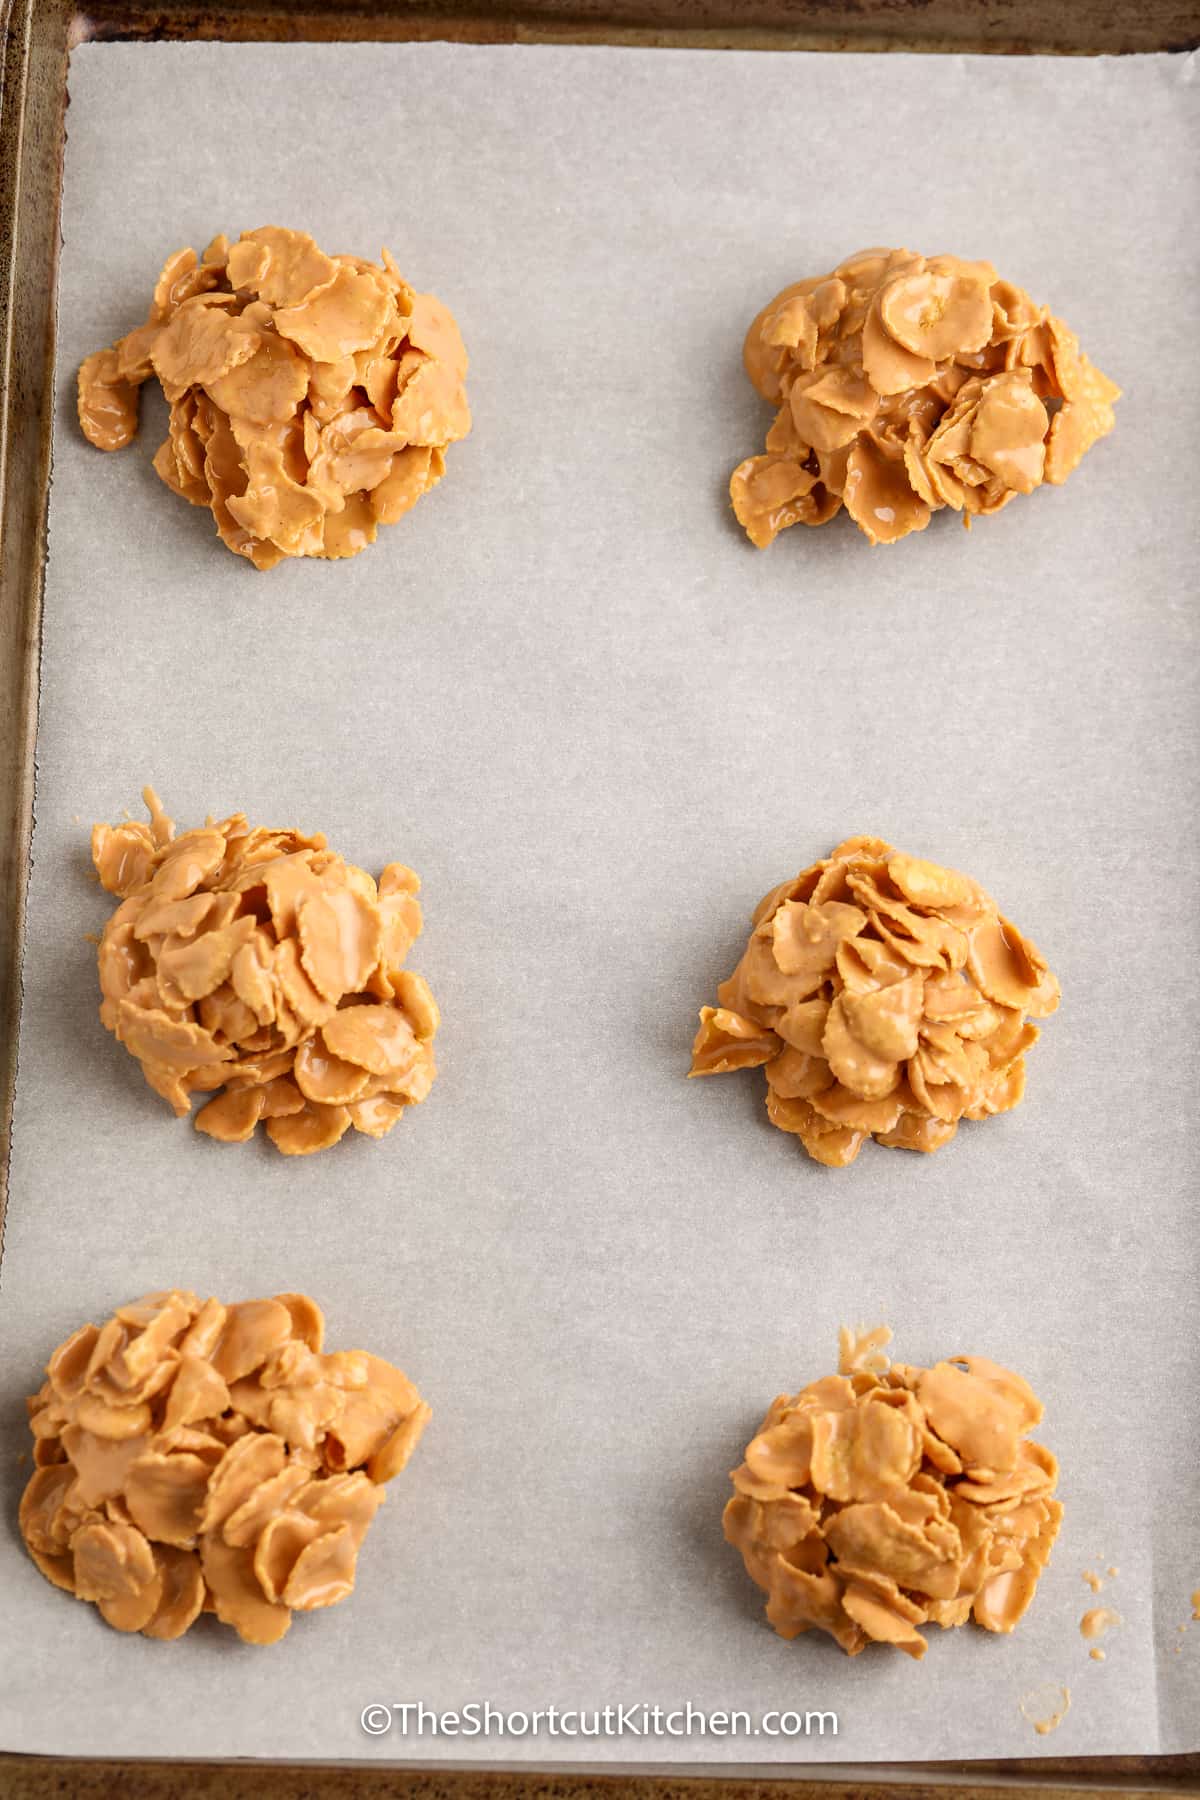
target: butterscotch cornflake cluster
886 997
907 383
312 397
261 963
206 1458
878 1500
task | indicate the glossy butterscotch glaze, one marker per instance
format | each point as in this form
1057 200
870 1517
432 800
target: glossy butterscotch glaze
882 1499
261 963
194 1457
312 397
886 997
906 384
1097 1620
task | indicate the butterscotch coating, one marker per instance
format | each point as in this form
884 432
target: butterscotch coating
878 1500
886 997
206 1458
906 384
312 397
261 963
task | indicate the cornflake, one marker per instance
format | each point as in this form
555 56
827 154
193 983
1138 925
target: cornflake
261 963
886 997
206 1458
908 383
875 1502
312 397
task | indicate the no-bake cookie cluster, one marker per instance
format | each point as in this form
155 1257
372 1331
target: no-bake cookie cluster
876 1501
207 1458
259 962
886 997
312 397
908 383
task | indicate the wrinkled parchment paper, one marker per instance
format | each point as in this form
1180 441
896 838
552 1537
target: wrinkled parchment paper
600 725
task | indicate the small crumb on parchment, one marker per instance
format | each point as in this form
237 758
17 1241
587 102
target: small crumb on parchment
1097 1620
1046 1707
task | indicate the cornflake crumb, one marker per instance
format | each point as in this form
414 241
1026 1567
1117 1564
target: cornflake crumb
863 1350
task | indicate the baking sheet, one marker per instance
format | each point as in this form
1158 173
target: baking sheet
567 691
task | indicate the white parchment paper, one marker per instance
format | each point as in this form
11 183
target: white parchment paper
601 725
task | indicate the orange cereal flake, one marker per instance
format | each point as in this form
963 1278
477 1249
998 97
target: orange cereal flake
260 963
312 397
906 384
195 1457
885 997
875 1502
